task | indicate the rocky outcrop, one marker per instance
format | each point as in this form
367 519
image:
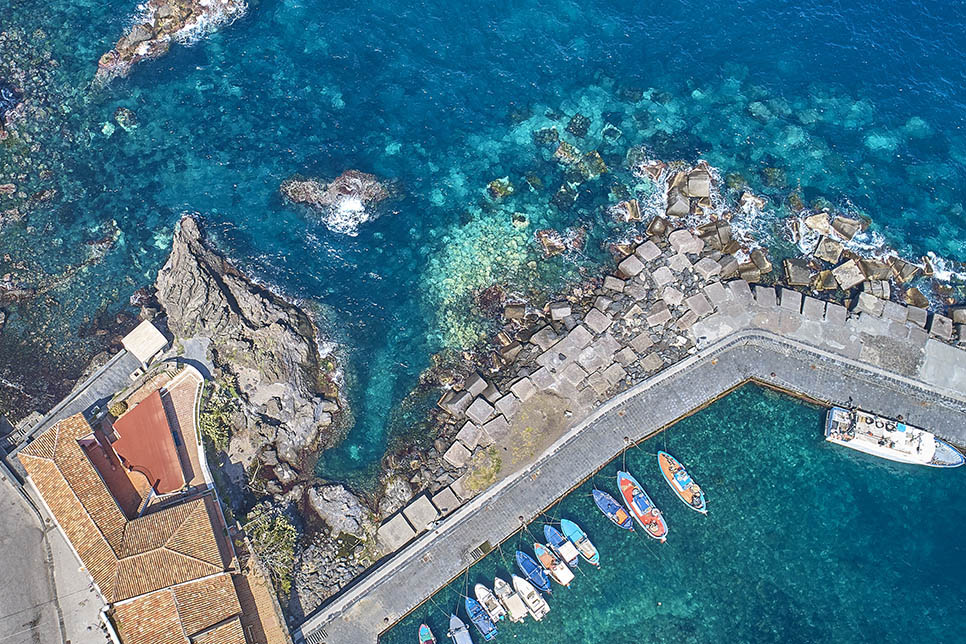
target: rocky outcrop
341 511
160 23
269 345
344 204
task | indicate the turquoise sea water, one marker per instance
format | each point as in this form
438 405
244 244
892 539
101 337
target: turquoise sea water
844 101
804 542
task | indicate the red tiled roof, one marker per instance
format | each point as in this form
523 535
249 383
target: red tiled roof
146 444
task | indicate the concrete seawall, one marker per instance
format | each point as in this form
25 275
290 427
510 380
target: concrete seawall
885 363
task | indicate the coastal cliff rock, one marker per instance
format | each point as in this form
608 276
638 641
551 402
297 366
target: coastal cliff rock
160 23
342 511
269 345
344 203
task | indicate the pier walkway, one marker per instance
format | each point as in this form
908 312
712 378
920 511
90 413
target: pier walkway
823 355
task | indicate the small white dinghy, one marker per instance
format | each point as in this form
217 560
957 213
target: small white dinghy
516 609
536 605
490 603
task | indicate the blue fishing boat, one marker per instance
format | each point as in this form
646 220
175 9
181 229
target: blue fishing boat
532 571
560 545
480 619
613 510
581 541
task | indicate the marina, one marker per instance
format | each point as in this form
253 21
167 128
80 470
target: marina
731 355
684 584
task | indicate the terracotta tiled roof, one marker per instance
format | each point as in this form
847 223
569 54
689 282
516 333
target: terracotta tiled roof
152 619
125 558
203 610
230 632
206 602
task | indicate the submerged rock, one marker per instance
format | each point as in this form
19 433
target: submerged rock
126 118
269 345
9 99
160 23
344 204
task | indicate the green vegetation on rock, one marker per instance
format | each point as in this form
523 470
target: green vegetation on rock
217 407
273 538
118 409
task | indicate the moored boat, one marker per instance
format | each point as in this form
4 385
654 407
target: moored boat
680 481
458 631
641 507
426 635
480 619
490 603
561 546
612 510
515 608
895 440
532 571
558 569
536 605
581 541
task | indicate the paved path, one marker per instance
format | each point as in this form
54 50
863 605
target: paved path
388 593
28 611
97 390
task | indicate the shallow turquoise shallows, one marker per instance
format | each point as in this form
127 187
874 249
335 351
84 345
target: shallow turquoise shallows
804 542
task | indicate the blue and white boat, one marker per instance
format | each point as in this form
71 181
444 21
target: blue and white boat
560 545
895 440
613 510
532 571
581 541
480 619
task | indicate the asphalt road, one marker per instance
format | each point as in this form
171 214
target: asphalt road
28 612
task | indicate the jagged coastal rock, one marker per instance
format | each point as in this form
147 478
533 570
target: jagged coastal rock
341 511
269 345
344 204
160 23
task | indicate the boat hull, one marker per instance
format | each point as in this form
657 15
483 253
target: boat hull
490 603
532 571
611 509
426 635
893 440
536 605
581 541
641 507
558 570
680 482
515 608
481 620
561 546
458 631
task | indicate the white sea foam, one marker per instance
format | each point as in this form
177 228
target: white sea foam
347 216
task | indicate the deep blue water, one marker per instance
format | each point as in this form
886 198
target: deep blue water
858 103
804 541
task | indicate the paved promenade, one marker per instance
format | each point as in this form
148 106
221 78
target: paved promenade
800 346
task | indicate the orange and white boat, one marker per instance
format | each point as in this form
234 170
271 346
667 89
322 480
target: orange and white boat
641 507
682 484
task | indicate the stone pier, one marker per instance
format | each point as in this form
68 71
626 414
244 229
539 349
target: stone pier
888 364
